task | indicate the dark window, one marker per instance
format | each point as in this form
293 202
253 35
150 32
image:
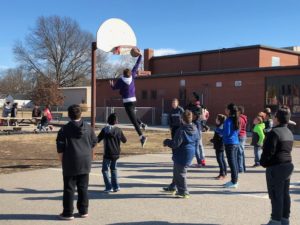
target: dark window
153 94
283 91
144 94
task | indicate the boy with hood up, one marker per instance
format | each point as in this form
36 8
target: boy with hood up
75 142
112 136
184 146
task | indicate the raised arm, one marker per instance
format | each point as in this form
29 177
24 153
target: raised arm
136 66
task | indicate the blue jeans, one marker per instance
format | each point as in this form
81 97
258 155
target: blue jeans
241 154
222 163
231 153
200 154
257 154
112 164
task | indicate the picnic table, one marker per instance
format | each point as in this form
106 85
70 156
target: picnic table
8 122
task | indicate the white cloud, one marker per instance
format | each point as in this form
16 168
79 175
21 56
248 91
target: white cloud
165 51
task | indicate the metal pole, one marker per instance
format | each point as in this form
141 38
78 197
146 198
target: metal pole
93 113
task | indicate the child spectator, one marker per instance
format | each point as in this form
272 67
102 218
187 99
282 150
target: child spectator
277 158
258 137
242 138
200 154
268 121
175 116
112 137
75 142
184 146
231 142
219 146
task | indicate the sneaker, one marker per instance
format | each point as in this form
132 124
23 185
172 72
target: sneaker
86 215
108 190
116 190
196 165
231 185
168 189
62 217
144 126
177 195
285 221
274 222
143 141
220 177
203 162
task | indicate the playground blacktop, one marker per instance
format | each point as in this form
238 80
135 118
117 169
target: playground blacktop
35 197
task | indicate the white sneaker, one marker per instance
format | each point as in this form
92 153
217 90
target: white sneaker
231 185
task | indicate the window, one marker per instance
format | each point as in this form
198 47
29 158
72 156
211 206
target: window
283 91
219 84
275 61
144 94
153 94
238 83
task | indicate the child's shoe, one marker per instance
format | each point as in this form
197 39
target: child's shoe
86 215
143 141
108 190
168 189
63 217
274 222
177 195
117 189
220 177
231 185
203 162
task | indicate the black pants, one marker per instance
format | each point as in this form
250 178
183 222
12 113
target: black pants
136 122
278 182
82 183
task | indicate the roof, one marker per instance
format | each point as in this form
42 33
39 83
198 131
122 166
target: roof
229 49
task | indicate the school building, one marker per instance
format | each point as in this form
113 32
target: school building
255 76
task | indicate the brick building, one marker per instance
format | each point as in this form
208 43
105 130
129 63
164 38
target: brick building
254 76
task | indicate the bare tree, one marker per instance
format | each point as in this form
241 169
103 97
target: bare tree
57 48
15 81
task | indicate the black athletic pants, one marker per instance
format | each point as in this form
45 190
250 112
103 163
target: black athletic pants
130 110
82 183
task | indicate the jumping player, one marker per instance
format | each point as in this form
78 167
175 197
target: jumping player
126 86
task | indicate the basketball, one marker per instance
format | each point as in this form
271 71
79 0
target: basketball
135 52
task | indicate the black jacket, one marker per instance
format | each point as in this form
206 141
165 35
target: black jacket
76 141
175 117
217 139
112 137
277 147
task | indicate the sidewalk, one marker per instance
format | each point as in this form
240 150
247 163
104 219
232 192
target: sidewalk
34 197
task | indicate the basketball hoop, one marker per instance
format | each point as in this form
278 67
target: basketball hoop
116 36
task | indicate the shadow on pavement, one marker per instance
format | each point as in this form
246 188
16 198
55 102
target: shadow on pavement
28 217
159 223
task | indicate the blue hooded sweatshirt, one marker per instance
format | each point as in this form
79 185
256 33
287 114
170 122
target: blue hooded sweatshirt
126 84
230 135
184 144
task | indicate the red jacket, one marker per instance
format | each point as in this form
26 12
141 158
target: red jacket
243 125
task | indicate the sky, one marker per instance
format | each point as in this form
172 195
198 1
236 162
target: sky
167 26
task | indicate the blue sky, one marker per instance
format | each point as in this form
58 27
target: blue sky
169 26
